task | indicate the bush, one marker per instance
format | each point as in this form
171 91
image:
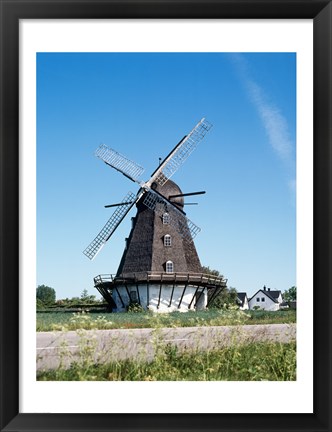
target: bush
135 307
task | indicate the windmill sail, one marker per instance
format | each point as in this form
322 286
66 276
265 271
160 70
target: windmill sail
152 199
180 153
127 167
110 226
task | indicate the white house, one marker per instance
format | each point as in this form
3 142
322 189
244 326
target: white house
242 300
266 299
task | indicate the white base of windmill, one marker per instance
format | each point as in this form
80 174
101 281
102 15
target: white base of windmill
161 299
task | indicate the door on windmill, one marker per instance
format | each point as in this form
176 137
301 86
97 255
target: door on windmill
133 296
169 267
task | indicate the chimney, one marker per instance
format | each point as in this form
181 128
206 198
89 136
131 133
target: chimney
264 288
269 289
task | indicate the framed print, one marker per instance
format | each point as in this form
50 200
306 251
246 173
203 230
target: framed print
70 69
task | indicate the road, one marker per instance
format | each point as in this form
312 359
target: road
63 348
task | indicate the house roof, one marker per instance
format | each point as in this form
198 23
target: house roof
241 296
273 295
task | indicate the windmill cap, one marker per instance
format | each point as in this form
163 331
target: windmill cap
170 188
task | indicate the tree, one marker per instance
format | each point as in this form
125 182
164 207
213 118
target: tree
85 295
207 270
86 298
45 295
290 294
227 297
40 305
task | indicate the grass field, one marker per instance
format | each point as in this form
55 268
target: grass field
252 362
62 321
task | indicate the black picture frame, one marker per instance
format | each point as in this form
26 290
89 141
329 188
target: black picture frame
14 10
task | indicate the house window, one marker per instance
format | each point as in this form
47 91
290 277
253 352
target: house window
165 218
169 267
257 299
263 299
167 240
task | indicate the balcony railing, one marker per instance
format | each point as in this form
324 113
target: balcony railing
201 279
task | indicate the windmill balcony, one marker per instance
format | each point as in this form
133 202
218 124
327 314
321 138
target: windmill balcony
160 292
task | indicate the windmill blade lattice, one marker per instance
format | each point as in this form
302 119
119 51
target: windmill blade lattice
180 153
184 226
114 221
127 167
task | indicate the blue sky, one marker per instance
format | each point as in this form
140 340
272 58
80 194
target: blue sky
142 104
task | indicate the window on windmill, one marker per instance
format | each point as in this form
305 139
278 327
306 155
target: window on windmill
167 240
133 296
165 218
169 267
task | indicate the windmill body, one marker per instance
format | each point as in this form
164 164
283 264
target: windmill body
160 268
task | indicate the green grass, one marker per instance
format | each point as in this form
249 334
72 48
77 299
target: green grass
251 362
72 321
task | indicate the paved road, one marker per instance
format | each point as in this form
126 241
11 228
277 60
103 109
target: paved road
55 348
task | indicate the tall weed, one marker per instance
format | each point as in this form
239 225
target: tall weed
214 317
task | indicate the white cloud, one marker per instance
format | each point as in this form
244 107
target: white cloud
273 121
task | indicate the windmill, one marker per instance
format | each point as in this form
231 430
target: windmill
160 268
